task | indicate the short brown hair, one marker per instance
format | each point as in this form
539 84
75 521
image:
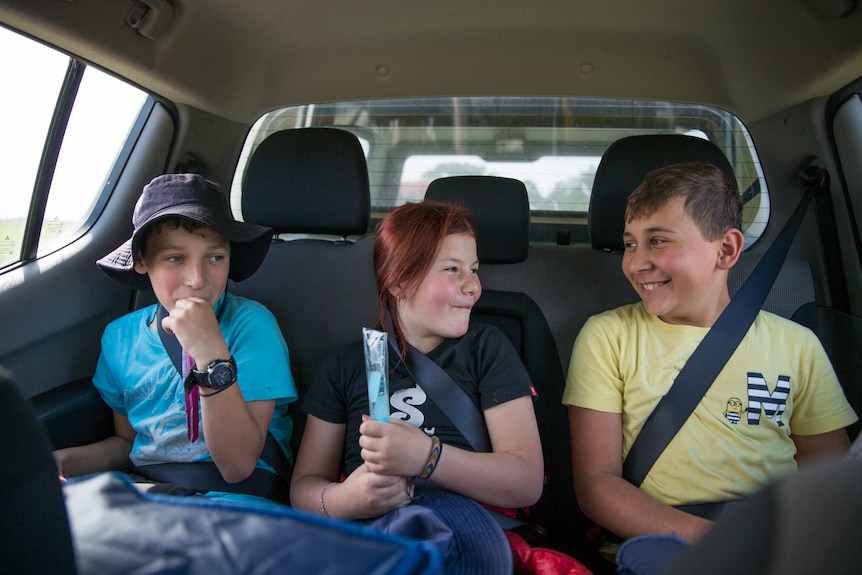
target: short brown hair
711 198
172 222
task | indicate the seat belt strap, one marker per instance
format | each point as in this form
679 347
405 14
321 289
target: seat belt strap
448 396
717 346
204 476
272 453
169 341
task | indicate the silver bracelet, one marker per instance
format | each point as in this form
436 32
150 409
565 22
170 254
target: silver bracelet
322 491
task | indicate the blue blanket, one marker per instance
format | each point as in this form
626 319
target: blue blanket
117 529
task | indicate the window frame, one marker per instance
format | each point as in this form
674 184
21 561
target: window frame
32 246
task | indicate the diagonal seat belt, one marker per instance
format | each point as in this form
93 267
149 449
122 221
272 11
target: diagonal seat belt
454 402
445 393
710 356
448 396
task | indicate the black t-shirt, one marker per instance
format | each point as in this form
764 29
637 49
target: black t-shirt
482 362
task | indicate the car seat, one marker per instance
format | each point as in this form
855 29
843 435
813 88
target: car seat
805 523
305 182
623 167
36 536
500 212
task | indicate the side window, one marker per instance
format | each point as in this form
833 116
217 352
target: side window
49 193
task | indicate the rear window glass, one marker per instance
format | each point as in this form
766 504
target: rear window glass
553 145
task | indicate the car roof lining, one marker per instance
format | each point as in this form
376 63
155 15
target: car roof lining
231 60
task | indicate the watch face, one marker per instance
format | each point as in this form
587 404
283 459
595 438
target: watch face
222 375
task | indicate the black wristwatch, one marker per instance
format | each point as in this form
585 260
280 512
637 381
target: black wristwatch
219 374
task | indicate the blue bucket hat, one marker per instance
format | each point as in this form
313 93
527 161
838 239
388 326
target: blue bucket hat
193 197
467 537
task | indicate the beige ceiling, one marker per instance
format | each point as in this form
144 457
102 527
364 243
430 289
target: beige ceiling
239 58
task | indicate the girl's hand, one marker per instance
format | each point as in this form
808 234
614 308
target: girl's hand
395 448
365 494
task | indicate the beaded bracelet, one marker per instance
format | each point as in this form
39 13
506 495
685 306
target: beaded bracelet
433 458
322 491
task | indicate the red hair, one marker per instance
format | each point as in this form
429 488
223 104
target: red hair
406 242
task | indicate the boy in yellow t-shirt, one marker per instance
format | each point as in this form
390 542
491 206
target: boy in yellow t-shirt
776 402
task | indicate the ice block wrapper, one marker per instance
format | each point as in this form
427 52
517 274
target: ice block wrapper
377 372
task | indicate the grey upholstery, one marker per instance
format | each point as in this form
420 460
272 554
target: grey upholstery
74 414
500 211
499 208
804 523
295 177
321 292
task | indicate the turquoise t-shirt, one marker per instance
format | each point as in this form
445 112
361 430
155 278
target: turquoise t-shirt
136 378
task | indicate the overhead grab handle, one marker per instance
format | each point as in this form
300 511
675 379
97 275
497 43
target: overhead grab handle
150 17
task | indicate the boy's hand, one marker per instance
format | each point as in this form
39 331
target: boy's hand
194 323
395 448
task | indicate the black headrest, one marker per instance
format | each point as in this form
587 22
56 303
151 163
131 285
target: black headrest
499 210
624 166
308 180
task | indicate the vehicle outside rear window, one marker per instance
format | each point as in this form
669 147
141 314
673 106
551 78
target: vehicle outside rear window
553 145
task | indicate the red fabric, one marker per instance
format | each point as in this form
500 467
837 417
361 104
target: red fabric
541 560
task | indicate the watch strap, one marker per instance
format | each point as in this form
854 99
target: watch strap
203 378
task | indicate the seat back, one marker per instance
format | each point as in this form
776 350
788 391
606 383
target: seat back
500 211
36 535
296 178
626 163
623 167
321 291
807 522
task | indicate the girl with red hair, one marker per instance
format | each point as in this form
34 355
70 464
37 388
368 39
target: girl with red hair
418 475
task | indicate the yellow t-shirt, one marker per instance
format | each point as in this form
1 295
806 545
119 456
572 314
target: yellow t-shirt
778 382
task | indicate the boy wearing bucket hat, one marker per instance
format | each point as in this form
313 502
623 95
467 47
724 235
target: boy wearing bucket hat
225 394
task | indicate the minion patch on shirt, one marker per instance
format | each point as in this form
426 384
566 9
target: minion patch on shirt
733 412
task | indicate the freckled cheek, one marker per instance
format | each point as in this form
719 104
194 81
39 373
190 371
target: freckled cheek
441 301
437 303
